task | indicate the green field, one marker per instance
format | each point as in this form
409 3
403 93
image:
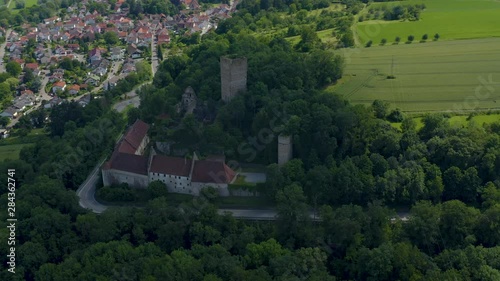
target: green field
459 120
11 151
433 76
28 3
452 19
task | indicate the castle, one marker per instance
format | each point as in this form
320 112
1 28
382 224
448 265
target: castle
128 164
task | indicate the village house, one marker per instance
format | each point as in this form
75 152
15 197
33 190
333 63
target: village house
58 86
33 67
73 89
10 112
117 53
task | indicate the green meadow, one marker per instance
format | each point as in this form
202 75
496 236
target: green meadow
452 19
11 151
460 120
457 76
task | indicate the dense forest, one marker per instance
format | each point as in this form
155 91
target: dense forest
350 164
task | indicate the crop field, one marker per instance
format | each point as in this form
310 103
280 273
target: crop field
458 76
452 19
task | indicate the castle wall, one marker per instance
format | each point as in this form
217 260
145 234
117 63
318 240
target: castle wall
175 184
116 177
233 77
220 187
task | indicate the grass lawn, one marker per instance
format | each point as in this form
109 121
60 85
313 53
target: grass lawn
459 120
11 151
432 76
324 35
452 19
27 4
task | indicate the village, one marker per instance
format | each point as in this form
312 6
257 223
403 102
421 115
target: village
80 55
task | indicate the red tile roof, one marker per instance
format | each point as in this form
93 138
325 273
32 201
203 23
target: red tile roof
171 165
212 172
131 163
59 84
133 138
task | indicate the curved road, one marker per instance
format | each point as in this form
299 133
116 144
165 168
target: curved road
86 192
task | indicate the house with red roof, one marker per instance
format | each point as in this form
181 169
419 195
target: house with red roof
58 86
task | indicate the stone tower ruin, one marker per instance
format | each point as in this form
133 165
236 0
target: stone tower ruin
233 77
284 149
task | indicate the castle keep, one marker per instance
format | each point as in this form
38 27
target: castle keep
233 76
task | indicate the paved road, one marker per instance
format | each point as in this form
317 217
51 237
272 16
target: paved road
254 177
86 192
154 56
135 102
2 50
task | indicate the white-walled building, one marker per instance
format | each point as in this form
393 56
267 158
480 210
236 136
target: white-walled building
180 175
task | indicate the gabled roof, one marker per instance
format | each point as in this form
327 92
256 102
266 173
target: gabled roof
207 171
170 165
133 138
131 163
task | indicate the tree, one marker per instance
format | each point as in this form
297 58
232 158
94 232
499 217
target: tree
411 38
369 43
383 41
111 38
423 226
4 121
424 37
292 213
380 108
436 37
398 39
396 116
347 40
456 223
157 189
13 68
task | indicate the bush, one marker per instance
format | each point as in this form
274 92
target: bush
383 41
411 38
436 37
396 116
398 39
120 192
157 189
369 44
424 37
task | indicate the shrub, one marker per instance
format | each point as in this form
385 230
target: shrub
411 38
396 116
424 37
369 44
383 41
398 39
436 37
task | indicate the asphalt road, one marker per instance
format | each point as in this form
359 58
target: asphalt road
86 192
135 102
2 50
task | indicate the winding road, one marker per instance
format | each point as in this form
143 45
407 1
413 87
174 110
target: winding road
86 194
